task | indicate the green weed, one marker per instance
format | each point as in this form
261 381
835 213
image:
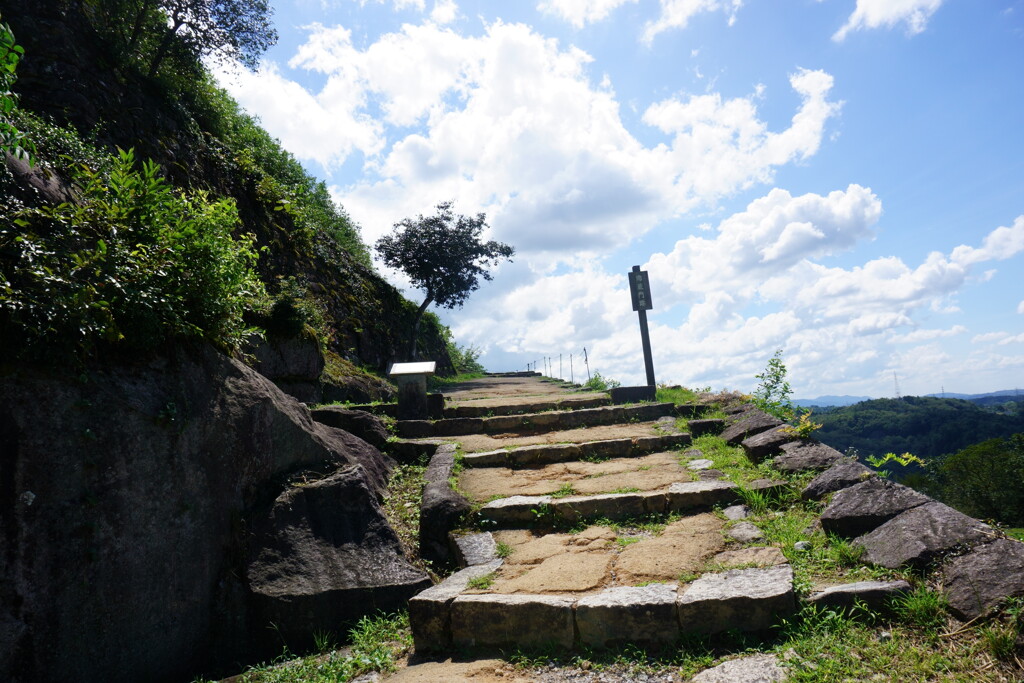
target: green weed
482 582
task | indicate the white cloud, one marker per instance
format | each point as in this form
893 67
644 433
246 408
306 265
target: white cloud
888 13
926 335
510 123
444 12
581 12
676 14
1000 244
1020 307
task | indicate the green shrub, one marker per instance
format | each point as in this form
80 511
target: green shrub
132 263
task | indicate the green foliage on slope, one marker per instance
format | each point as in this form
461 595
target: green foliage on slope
130 261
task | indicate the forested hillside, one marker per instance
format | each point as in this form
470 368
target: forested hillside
926 427
235 232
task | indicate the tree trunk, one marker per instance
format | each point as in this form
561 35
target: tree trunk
416 326
164 44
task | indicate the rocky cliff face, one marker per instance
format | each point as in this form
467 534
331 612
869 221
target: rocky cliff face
157 517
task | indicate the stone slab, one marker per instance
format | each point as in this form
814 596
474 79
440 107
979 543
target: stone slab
662 442
978 581
700 427
742 599
752 669
806 454
874 594
644 615
767 443
699 494
745 532
748 424
700 464
632 394
474 549
494 620
866 506
429 614
843 474
611 505
920 534
514 510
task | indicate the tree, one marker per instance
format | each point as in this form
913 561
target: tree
223 29
985 480
12 140
772 394
442 255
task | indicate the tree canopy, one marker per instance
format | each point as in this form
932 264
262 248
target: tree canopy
222 29
443 255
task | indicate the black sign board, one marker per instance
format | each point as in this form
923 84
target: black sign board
640 289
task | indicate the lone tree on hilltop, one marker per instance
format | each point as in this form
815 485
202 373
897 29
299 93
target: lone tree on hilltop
442 255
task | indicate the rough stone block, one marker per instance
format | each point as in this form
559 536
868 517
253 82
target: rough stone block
474 549
497 458
713 425
632 394
493 620
976 582
697 494
414 429
753 669
502 423
843 474
655 502
921 533
648 411
767 443
700 464
429 613
874 594
514 510
610 505
746 532
543 454
692 410
609 448
744 599
806 455
865 506
643 615
458 426
663 442
748 424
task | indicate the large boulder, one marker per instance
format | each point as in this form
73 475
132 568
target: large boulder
322 554
844 473
920 534
746 424
806 454
979 580
867 505
366 426
125 498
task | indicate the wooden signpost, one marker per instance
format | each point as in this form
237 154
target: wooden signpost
640 291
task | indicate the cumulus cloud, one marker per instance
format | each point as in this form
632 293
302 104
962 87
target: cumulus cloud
676 14
1020 307
510 123
888 13
581 12
918 336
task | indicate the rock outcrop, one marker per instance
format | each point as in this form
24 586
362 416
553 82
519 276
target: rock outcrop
128 501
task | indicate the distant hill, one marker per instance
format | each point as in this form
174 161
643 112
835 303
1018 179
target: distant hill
830 401
923 425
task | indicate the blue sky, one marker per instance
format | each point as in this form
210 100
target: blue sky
841 179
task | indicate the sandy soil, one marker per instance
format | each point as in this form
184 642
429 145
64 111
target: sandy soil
646 473
594 559
481 671
475 443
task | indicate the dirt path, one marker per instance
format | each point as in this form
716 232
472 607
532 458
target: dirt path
476 443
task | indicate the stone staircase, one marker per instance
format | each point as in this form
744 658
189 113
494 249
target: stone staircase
587 526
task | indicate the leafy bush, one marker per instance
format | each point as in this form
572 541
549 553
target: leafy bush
12 140
132 262
600 383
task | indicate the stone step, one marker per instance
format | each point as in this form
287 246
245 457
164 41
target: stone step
534 423
524 511
544 454
539 406
449 616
